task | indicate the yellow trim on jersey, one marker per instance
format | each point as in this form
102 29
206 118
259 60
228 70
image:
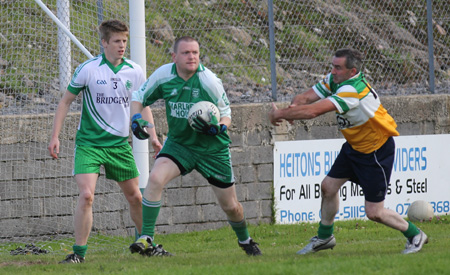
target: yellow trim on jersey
364 93
360 95
349 94
371 135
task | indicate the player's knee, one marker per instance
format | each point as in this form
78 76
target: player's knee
330 187
86 198
232 209
373 215
326 189
135 198
156 181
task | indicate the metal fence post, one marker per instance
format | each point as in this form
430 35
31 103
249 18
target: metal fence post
273 69
430 45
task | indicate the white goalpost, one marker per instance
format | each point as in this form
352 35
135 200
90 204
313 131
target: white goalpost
137 49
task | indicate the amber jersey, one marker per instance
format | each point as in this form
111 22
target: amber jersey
361 117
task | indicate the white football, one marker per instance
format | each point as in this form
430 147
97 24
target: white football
420 211
204 110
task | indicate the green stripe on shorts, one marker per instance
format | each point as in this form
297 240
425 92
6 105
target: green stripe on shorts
118 161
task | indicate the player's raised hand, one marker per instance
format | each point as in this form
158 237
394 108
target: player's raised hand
138 125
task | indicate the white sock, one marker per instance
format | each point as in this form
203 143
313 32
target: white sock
246 241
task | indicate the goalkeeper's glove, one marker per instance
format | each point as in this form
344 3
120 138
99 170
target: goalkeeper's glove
137 126
212 129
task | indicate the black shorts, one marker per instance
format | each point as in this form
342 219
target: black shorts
372 172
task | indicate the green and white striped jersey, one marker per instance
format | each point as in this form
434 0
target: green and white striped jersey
105 117
179 96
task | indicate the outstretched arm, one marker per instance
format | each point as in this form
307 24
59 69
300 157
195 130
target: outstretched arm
295 112
307 97
304 98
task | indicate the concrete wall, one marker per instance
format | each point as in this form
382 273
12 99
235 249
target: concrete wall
38 194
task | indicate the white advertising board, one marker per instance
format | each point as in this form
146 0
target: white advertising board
421 172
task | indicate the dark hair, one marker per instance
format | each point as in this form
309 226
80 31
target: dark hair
183 38
108 27
353 58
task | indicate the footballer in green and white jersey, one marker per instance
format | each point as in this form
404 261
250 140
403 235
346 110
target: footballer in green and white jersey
105 117
179 96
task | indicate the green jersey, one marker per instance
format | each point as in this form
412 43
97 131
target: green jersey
179 96
105 117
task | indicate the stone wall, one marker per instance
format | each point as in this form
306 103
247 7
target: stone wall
38 194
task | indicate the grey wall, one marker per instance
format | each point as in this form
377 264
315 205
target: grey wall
36 190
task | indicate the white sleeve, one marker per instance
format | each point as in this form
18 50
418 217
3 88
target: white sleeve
213 85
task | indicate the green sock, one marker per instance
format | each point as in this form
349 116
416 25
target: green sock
411 231
80 250
325 231
150 212
240 228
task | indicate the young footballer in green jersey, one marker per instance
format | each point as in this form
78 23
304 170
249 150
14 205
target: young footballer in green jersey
366 157
181 84
106 82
